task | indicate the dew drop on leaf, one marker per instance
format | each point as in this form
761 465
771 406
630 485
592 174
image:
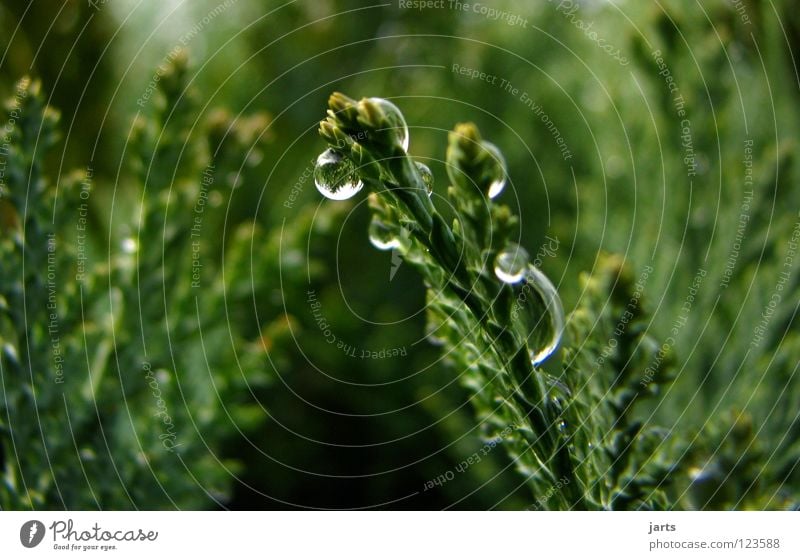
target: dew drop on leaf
497 170
396 119
336 177
382 236
511 263
427 176
537 312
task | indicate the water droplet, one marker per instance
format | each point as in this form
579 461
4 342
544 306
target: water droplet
537 311
510 264
129 245
396 119
336 177
427 176
382 236
497 170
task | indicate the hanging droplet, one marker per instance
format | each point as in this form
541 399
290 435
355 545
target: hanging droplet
511 263
427 176
395 118
497 170
551 336
382 236
538 314
336 177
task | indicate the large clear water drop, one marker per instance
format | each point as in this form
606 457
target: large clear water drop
511 263
336 177
497 170
396 119
538 314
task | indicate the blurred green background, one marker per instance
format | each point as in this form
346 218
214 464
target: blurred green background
321 428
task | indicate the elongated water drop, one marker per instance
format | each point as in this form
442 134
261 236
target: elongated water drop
511 263
497 170
396 119
550 337
538 314
382 236
427 176
336 177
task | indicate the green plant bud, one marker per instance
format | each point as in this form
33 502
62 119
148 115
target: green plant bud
338 138
218 125
370 114
384 125
460 152
393 120
327 131
474 163
172 79
343 109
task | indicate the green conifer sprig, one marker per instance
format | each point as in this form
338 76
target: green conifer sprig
470 309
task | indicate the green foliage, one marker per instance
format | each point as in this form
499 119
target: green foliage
121 378
698 299
585 440
615 369
472 311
